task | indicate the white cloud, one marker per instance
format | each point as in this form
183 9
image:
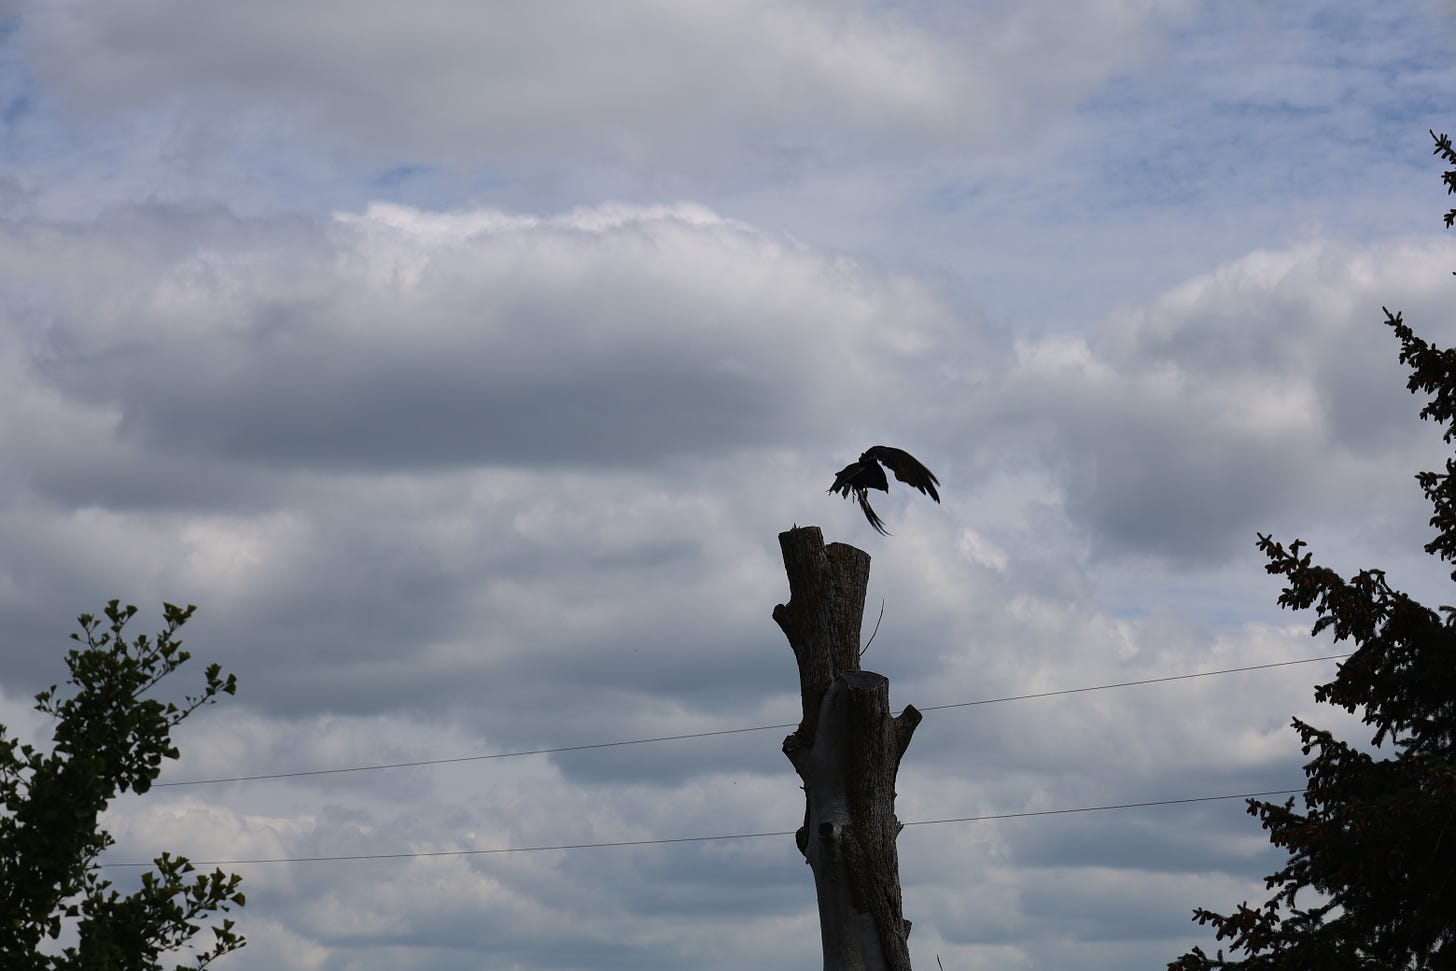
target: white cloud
401 339
613 600
638 82
497 463
1264 389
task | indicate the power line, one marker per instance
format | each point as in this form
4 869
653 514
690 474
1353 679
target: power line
471 758
1129 684
1097 809
724 731
706 839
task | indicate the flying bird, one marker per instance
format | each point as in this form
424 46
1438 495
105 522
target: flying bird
858 477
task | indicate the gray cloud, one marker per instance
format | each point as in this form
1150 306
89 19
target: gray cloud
684 82
1256 391
554 602
517 430
502 468
402 339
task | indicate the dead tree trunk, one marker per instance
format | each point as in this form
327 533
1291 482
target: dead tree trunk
847 750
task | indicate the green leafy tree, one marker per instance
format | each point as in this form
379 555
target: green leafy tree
1373 854
109 738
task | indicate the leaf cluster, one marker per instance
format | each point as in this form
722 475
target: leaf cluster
109 737
1448 155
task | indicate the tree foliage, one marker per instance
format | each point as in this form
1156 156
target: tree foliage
109 738
1373 854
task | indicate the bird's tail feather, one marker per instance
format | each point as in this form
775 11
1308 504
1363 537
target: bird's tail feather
864 503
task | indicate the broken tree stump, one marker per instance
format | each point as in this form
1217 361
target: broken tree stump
847 751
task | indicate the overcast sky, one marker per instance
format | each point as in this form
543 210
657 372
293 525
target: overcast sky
462 363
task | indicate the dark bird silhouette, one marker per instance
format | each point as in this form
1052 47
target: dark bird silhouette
857 478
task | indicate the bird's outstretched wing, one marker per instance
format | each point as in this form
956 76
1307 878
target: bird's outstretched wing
857 478
906 468
860 475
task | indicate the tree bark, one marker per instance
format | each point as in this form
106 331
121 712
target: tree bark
847 750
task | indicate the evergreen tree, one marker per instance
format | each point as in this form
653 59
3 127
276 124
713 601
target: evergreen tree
1370 882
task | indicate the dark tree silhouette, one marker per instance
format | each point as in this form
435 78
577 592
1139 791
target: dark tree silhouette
1370 882
109 738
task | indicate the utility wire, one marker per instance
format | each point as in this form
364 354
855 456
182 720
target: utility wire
705 839
1098 809
470 758
1129 684
726 731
